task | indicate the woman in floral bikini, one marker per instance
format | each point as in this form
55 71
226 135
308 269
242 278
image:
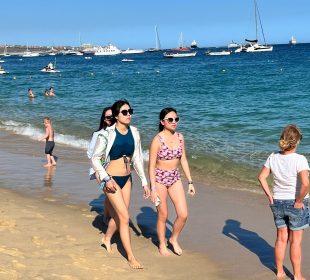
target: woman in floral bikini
167 150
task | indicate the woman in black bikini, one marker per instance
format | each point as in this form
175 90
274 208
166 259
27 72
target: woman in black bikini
120 145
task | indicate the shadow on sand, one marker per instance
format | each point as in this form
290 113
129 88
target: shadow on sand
146 223
254 243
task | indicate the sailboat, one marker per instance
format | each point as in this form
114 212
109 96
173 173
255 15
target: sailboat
28 53
157 42
253 45
5 51
181 46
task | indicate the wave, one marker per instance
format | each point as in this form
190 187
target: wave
32 132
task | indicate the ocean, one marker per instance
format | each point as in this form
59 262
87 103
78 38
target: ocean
232 108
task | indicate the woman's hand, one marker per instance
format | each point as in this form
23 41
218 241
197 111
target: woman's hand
110 187
146 192
191 190
299 205
154 196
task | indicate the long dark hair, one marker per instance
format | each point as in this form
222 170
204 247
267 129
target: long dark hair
103 124
163 113
117 106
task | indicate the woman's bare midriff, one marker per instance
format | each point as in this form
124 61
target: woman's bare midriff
118 167
167 164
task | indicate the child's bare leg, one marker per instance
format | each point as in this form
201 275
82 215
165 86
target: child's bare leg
48 158
53 160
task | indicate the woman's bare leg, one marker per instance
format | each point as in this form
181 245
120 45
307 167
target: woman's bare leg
121 218
177 195
112 227
162 214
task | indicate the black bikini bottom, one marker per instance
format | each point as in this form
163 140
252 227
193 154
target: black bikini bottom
122 180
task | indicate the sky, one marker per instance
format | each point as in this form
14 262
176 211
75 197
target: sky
130 24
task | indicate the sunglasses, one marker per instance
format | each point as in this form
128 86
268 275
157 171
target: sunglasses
108 117
170 120
126 112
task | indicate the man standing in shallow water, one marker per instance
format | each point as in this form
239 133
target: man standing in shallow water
50 144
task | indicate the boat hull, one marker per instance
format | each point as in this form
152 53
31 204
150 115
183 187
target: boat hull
178 55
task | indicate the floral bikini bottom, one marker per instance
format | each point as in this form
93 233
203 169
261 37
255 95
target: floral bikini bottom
167 177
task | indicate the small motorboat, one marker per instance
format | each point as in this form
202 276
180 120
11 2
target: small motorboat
171 55
127 60
47 70
223 52
50 68
2 71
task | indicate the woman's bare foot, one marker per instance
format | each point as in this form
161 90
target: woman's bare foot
281 275
134 264
299 278
107 244
164 251
47 165
176 247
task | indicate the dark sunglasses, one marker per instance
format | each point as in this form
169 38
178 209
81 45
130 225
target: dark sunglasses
126 112
170 120
108 117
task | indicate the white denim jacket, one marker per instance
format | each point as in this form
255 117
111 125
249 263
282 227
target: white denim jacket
103 147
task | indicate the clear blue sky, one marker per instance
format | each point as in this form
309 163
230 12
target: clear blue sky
131 23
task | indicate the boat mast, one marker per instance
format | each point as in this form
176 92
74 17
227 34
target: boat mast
158 46
181 44
260 22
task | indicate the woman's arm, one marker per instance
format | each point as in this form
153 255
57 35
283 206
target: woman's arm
262 178
99 149
185 167
304 188
91 145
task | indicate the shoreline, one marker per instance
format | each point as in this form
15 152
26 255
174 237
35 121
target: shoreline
223 223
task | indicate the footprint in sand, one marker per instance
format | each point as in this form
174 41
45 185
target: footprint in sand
7 224
50 199
88 215
14 252
17 264
64 276
70 238
38 241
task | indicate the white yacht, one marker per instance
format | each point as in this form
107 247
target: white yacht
108 50
133 51
293 41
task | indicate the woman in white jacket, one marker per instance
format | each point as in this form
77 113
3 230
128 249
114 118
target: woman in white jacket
120 146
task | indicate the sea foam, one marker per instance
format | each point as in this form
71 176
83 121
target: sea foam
33 133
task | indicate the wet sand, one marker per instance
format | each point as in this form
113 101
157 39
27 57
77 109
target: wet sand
51 225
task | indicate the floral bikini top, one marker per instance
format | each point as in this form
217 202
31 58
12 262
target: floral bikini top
165 153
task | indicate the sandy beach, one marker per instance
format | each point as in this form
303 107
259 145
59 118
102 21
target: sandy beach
51 225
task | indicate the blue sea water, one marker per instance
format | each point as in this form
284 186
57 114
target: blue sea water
232 108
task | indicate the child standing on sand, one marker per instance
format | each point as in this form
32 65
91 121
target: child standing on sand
50 144
289 198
